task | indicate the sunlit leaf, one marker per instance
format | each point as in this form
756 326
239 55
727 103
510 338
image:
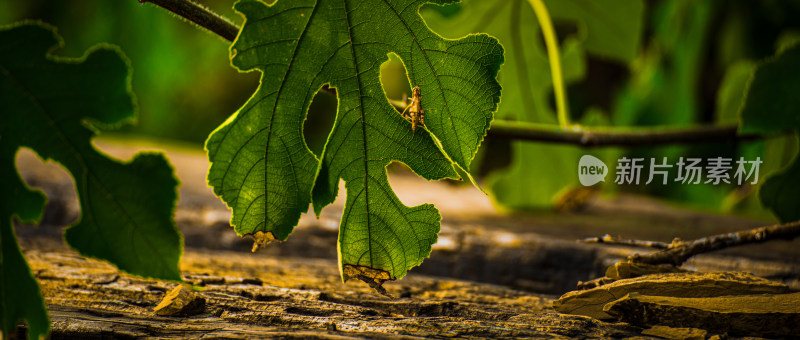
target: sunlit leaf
262 168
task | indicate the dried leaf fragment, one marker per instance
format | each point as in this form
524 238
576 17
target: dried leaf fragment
261 239
373 277
181 301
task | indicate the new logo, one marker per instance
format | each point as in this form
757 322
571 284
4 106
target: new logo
591 170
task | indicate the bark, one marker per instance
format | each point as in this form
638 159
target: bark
488 272
591 302
254 296
768 315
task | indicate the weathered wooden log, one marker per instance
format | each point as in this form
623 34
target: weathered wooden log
251 296
276 293
627 270
530 252
770 315
681 333
592 302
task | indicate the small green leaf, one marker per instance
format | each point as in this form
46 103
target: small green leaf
262 168
54 106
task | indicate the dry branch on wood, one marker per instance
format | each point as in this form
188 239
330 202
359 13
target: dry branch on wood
608 239
677 252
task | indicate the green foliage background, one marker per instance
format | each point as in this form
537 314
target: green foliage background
182 75
625 63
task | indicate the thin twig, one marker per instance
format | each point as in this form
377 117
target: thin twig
200 16
679 251
607 239
548 133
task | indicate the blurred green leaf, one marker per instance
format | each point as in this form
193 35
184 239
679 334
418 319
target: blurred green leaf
665 89
262 168
731 91
771 105
54 106
613 30
522 185
775 152
779 193
183 73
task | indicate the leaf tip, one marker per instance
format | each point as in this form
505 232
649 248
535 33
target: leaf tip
261 239
371 276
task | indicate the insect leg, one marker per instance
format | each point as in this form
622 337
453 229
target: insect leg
404 114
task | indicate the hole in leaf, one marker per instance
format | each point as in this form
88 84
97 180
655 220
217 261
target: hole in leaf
394 79
319 120
62 204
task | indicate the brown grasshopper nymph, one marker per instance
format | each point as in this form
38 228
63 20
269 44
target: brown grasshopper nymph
414 112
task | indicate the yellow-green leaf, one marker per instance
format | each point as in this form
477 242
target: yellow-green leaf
262 168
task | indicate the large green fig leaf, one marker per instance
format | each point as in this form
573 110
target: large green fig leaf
53 106
262 168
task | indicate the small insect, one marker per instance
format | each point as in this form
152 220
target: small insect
414 112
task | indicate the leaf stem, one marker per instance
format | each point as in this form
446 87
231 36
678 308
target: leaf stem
555 60
200 16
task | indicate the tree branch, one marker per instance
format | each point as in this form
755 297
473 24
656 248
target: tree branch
548 133
679 251
614 136
607 239
200 16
